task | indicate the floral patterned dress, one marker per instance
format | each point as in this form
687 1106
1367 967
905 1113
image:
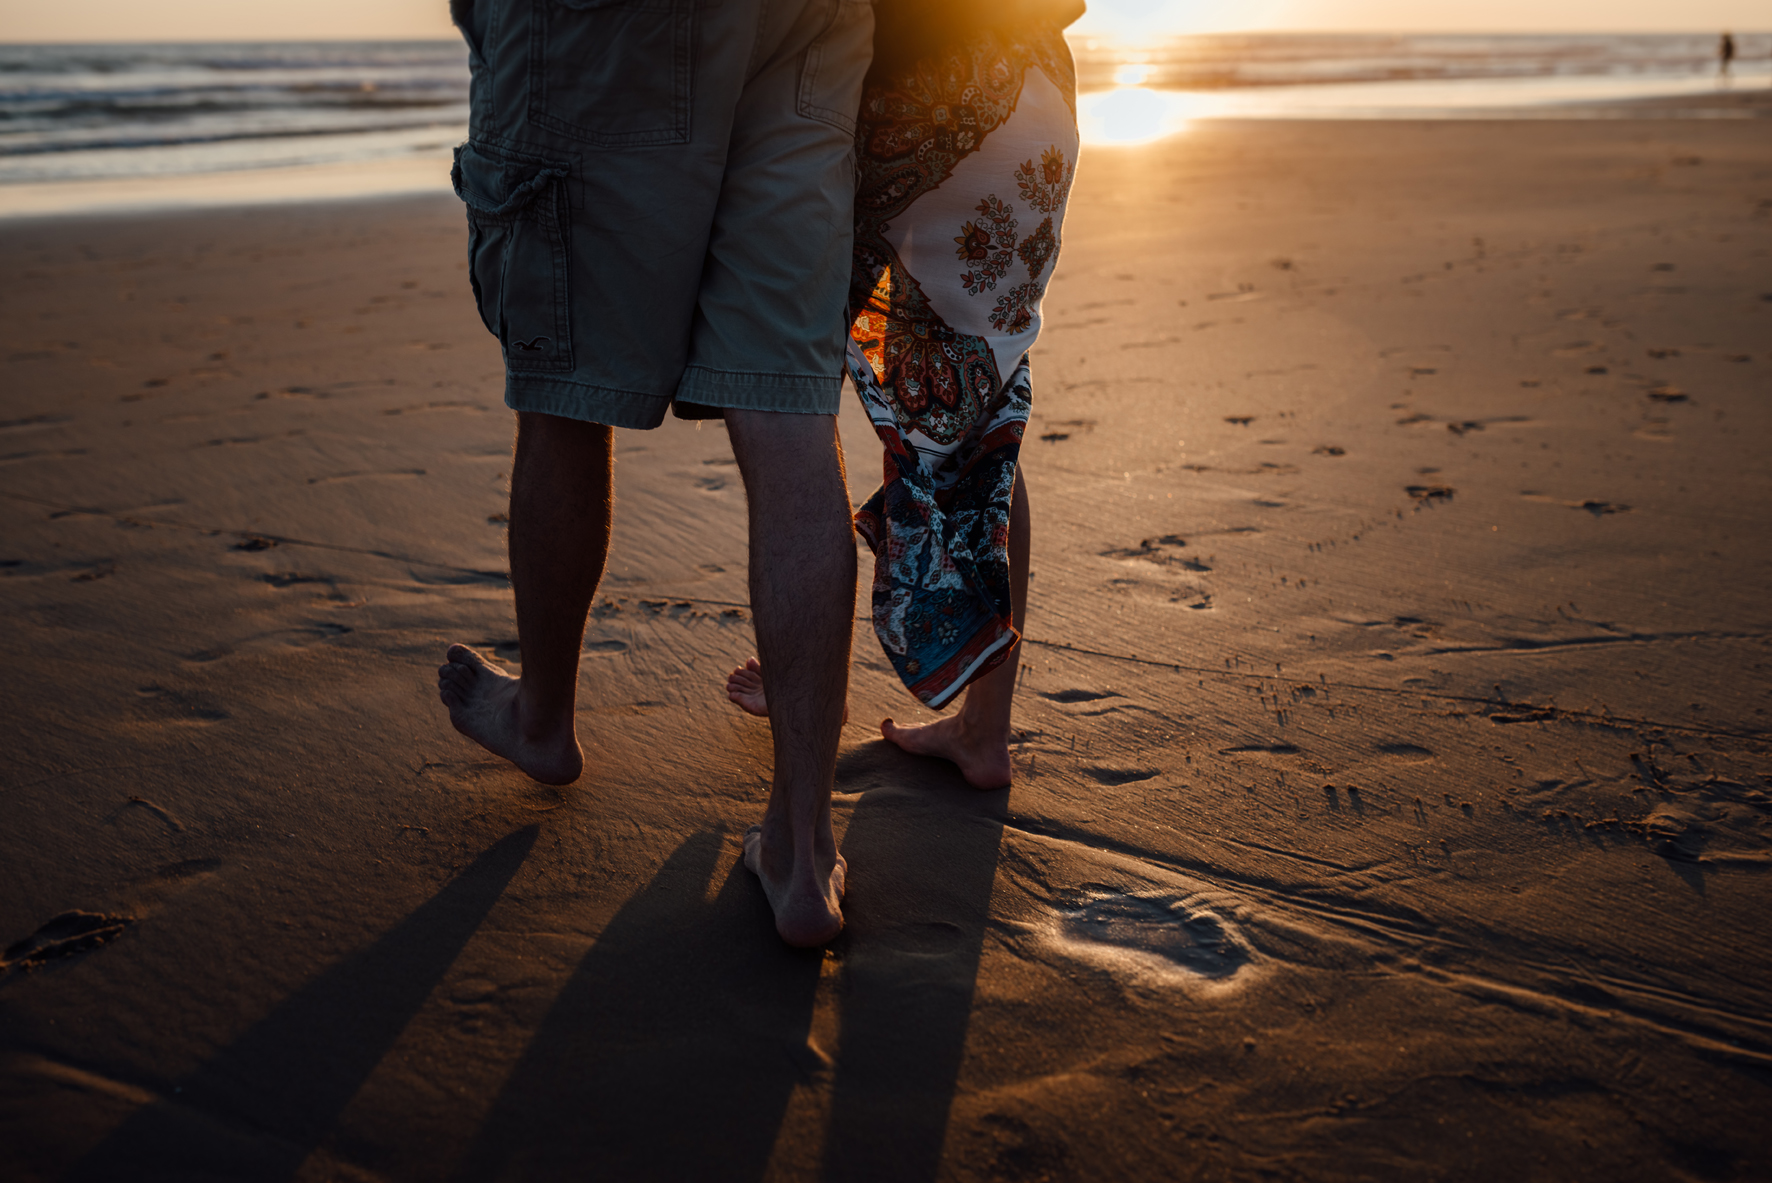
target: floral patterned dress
966 159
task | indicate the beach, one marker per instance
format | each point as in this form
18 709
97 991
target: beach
1393 776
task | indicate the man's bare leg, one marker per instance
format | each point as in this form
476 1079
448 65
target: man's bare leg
976 737
803 601
562 488
744 686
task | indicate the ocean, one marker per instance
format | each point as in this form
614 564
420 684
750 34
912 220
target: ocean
88 112
124 113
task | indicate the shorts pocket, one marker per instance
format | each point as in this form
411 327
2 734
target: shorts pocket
517 223
833 66
614 73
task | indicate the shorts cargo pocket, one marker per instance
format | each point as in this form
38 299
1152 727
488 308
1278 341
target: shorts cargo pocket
614 73
832 69
517 220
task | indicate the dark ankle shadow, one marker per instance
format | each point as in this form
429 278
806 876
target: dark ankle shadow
259 1107
671 1052
922 847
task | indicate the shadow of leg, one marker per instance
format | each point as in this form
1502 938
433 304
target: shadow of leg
259 1106
672 1050
925 854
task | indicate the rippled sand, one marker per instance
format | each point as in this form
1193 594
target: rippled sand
1393 763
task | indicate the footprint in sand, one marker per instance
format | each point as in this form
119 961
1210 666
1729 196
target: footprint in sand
1158 551
1592 504
67 934
33 423
291 638
1157 934
1120 776
368 475
459 577
1261 749
1070 696
24 457
450 405
163 704
1429 493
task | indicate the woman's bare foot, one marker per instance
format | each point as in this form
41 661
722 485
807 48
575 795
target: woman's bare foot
744 686
484 706
806 896
983 760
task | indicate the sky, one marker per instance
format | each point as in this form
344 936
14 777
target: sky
251 20
1129 17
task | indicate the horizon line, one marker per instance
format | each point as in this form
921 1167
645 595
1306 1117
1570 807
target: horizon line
1073 33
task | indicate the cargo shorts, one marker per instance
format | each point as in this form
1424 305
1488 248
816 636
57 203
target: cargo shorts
660 199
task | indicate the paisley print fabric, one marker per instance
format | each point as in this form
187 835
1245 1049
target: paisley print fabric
966 159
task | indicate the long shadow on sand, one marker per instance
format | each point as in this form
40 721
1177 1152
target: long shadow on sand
671 1051
674 1048
259 1107
923 848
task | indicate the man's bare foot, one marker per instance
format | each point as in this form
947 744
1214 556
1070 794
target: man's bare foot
744 686
807 899
984 762
484 706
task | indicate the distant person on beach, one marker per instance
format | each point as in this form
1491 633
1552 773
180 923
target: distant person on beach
967 148
660 204
1725 53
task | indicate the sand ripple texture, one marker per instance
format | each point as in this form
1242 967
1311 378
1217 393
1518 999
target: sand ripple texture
1391 760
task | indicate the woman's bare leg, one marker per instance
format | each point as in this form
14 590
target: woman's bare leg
977 736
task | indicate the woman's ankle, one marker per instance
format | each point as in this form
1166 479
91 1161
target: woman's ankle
982 726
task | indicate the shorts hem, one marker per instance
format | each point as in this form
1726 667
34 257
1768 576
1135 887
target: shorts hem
589 404
794 394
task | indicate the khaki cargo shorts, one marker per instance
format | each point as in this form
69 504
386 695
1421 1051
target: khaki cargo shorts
660 200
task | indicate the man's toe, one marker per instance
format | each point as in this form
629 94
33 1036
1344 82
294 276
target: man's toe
462 655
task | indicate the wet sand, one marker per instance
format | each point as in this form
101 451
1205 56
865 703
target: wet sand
1393 768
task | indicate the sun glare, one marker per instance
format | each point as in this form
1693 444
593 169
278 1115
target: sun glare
1133 112
1137 22
1128 115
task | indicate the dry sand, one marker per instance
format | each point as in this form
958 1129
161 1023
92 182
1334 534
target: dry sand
1392 786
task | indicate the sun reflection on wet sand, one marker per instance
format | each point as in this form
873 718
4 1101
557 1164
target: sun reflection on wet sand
1132 113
